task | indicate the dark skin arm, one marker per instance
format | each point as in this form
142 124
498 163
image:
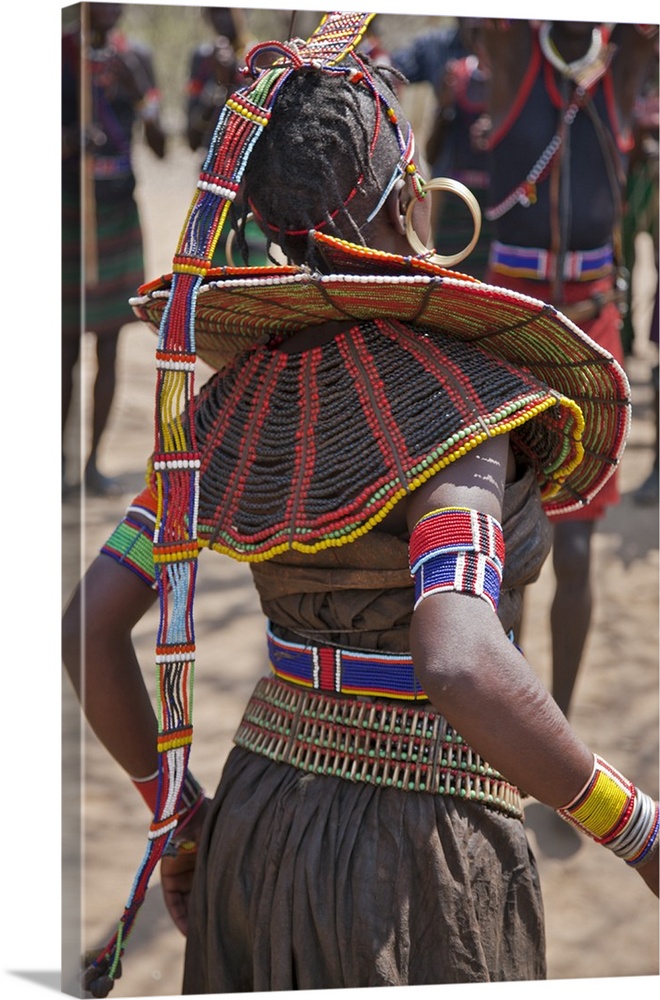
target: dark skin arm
135 76
505 48
100 659
485 687
443 115
155 137
153 129
635 52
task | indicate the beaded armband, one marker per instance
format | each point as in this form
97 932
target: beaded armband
616 814
132 545
459 549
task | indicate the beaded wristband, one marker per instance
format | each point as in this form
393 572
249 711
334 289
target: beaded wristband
616 814
457 549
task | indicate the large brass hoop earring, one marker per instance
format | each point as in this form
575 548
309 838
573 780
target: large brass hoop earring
229 244
445 184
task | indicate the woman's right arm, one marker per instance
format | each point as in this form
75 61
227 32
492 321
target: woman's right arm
100 659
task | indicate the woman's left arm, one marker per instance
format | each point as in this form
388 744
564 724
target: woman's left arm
475 675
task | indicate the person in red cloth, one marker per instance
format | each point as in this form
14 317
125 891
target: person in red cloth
560 116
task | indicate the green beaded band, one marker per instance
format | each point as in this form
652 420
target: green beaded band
131 544
375 742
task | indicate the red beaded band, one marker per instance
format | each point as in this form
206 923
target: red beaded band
457 549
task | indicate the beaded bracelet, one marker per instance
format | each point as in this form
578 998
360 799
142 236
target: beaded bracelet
616 814
457 549
192 795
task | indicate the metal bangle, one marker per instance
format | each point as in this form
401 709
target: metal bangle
445 184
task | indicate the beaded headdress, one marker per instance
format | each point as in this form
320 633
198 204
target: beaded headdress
330 49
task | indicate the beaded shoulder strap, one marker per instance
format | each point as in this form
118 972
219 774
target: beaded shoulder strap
176 459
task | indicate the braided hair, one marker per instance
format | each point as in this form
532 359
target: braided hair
313 166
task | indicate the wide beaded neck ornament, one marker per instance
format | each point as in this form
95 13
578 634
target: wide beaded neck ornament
330 49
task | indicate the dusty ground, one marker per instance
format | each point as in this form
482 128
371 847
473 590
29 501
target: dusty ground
601 919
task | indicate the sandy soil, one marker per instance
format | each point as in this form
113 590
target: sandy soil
601 920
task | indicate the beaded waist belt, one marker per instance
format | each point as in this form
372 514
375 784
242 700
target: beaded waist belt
531 262
397 746
343 671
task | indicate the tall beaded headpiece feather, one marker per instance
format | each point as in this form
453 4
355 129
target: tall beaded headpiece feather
176 459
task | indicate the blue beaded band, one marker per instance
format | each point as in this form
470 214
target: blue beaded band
344 671
457 549
461 573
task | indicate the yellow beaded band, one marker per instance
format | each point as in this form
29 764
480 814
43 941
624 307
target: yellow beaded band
616 814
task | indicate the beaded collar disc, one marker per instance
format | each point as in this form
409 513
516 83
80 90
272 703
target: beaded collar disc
240 309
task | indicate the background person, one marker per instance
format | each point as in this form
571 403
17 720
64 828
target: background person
122 92
214 72
455 141
561 111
